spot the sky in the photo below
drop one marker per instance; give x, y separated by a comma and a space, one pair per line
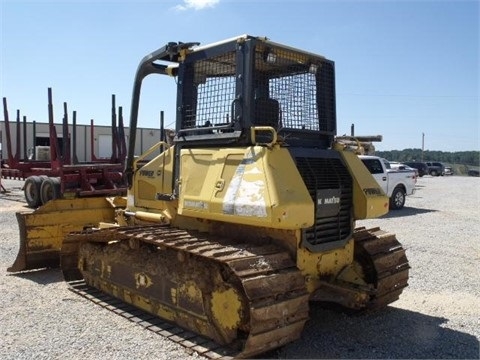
406, 70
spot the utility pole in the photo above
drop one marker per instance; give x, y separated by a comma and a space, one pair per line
423, 144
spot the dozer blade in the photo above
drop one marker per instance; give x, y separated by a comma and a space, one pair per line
43, 230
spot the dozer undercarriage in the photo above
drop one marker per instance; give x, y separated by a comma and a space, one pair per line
249, 297
250, 215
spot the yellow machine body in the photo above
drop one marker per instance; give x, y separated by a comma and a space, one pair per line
256, 186
255, 191
253, 186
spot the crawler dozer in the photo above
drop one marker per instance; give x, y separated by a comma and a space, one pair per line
249, 215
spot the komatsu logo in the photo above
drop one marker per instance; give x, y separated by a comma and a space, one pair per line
328, 202
332, 200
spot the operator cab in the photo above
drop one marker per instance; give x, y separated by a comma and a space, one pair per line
227, 88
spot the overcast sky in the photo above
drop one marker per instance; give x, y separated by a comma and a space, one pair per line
403, 68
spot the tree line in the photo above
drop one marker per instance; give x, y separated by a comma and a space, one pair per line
471, 158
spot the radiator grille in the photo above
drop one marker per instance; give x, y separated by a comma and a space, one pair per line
321, 174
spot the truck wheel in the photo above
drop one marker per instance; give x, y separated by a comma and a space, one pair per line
31, 190
397, 200
433, 173
50, 190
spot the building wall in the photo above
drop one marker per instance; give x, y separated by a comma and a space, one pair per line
146, 138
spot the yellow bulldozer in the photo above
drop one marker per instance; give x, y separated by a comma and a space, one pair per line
247, 217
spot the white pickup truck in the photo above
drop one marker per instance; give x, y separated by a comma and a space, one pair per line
397, 183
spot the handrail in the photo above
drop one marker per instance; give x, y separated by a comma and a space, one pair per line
149, 151
255, 129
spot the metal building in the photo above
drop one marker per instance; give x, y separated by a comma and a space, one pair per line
33, 142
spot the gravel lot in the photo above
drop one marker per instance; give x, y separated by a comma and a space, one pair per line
436, 317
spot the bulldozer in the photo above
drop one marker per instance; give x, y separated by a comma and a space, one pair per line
246, 218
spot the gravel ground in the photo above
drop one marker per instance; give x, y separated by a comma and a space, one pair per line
437, 316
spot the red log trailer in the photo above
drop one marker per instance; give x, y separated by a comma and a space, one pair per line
63, 176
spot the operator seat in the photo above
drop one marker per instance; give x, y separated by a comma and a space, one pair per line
267, 112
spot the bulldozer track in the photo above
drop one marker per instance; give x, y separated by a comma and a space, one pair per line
192, 342
385, 264
273, 286
270, 280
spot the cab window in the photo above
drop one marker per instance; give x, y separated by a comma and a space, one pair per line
373, 165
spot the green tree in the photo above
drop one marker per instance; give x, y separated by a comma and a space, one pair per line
469, 158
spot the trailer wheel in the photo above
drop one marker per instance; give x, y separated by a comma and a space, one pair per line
50, 190
31, 190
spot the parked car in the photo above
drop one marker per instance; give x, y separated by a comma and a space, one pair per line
395, 165
435, 168
420, 166
448, 170
473, 172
